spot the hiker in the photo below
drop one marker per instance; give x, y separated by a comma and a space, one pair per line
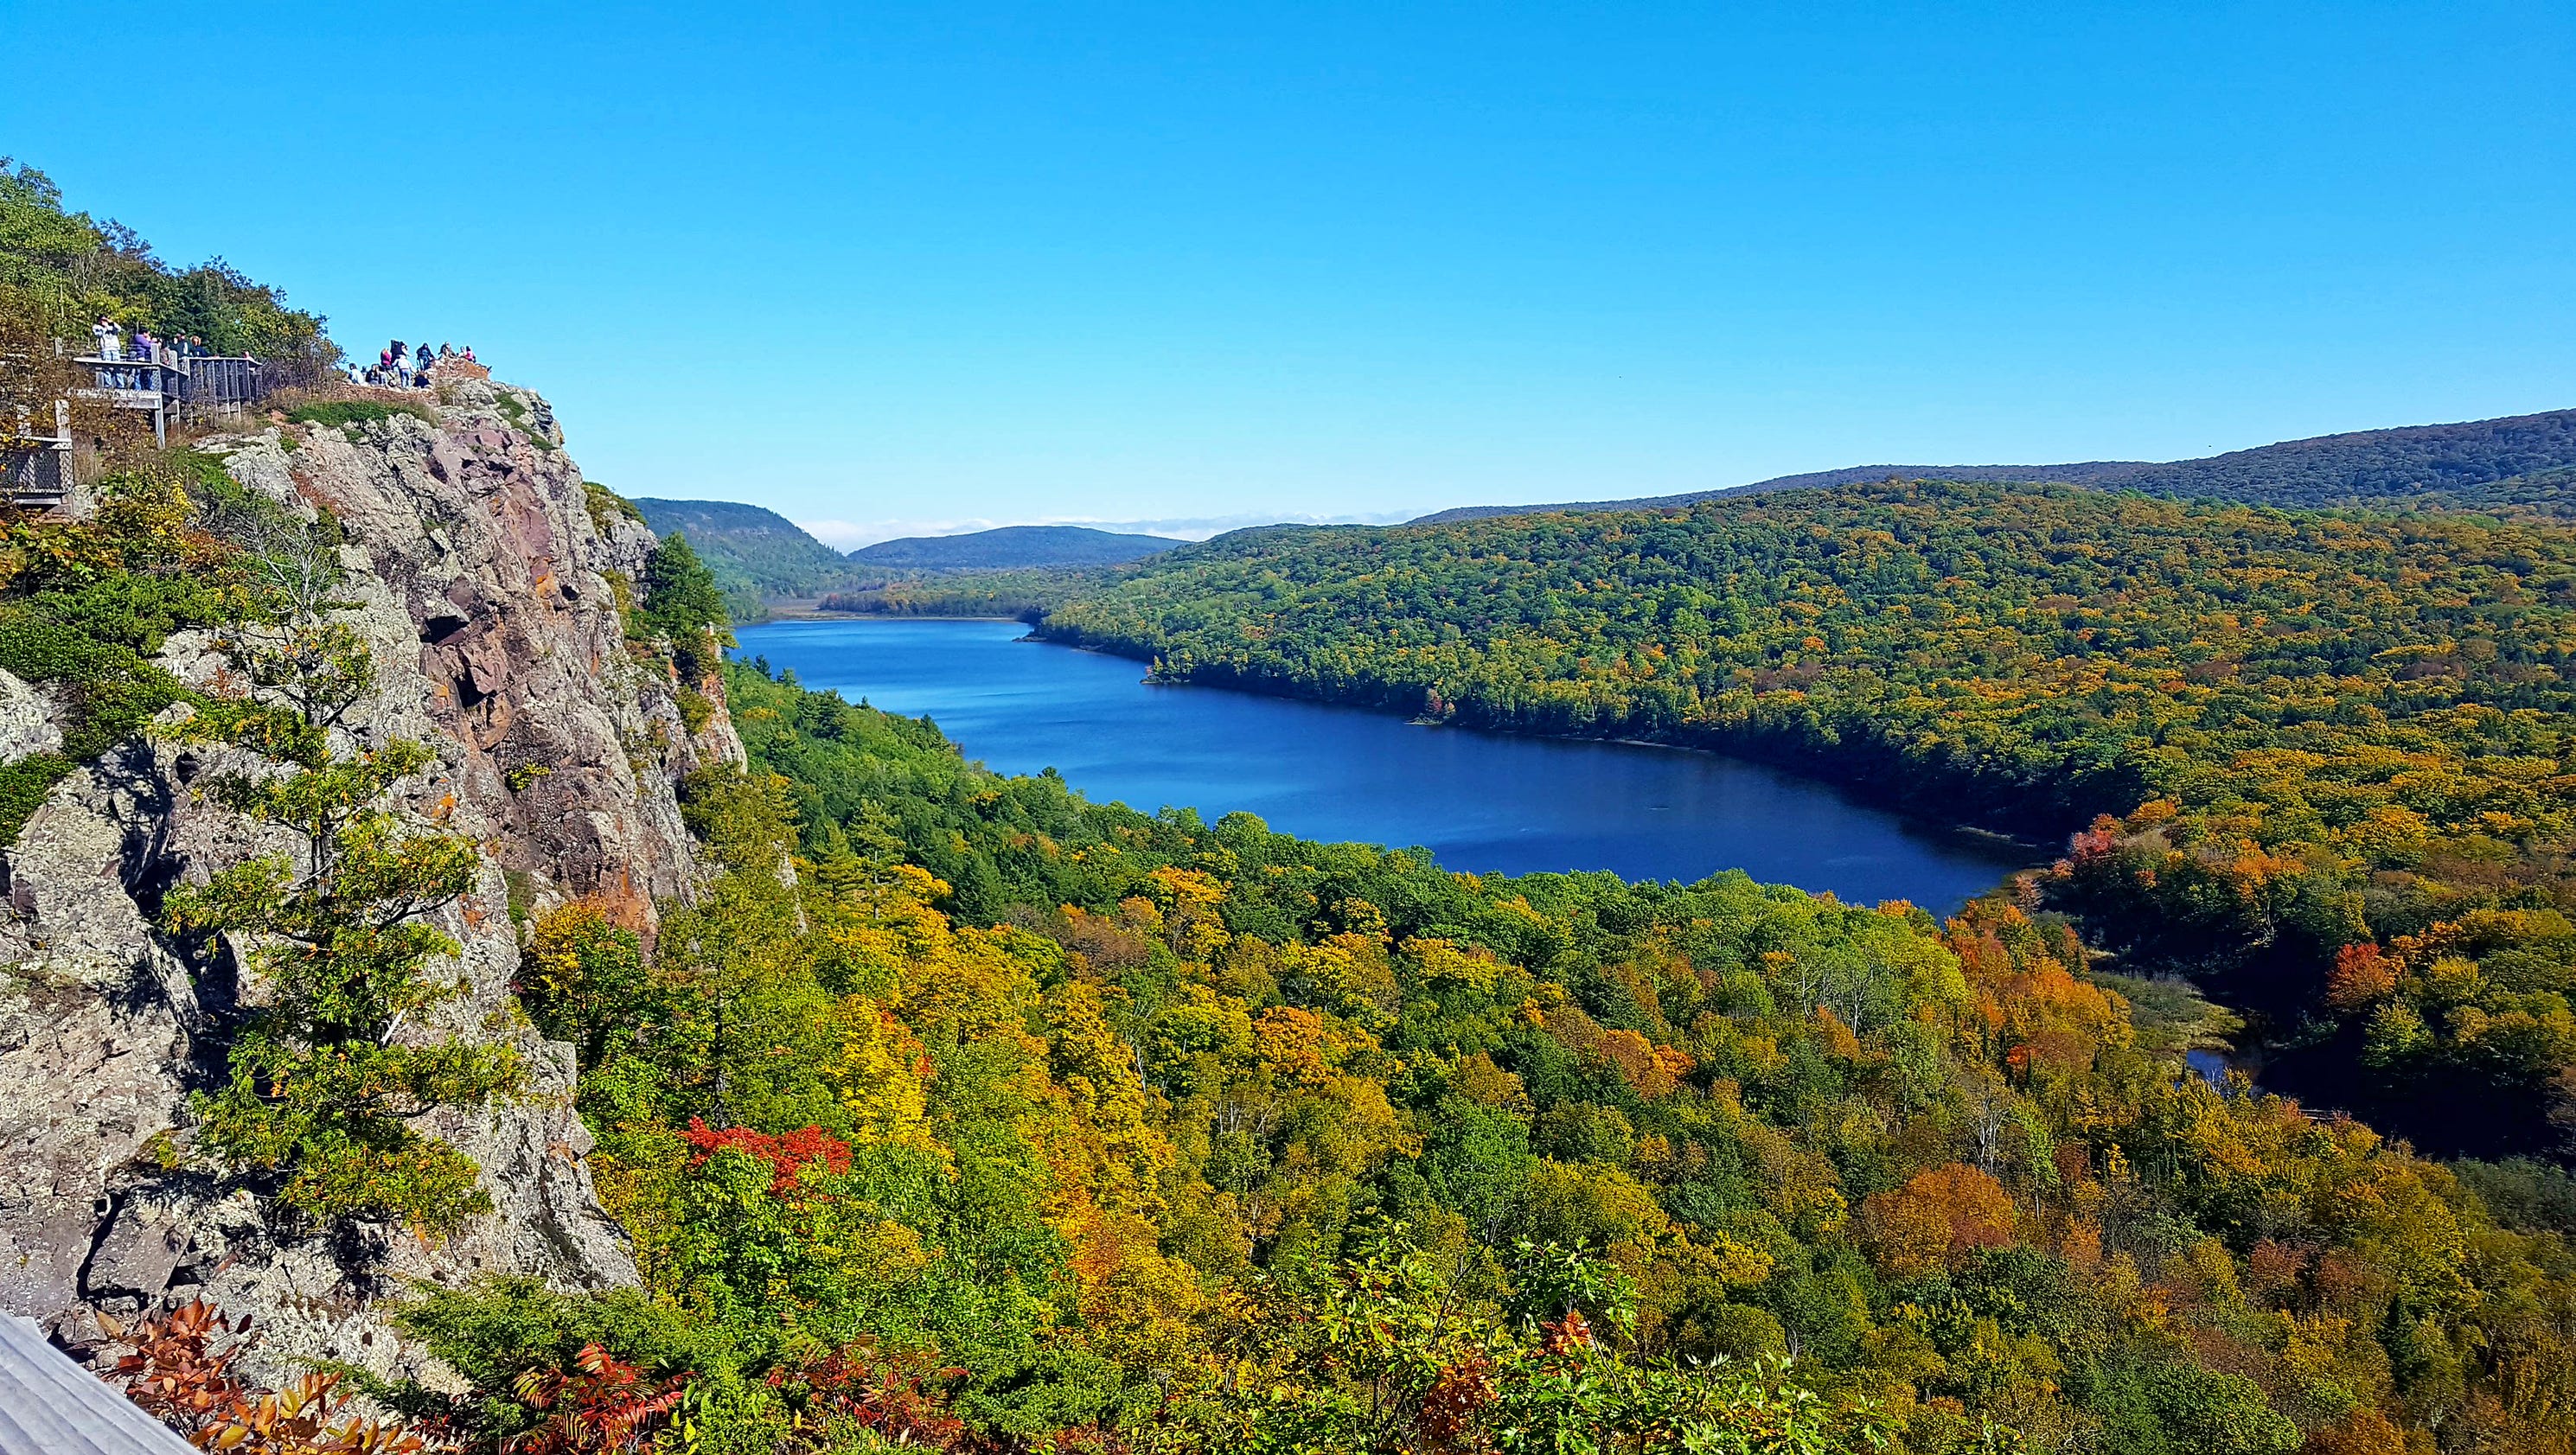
423, 370
111, 339
146, 347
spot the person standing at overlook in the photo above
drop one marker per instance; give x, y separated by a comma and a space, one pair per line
111, 339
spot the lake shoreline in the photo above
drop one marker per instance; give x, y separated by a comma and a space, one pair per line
2037, 847
2035, 844
1481, 800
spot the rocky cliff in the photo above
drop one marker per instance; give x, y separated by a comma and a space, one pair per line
487, 578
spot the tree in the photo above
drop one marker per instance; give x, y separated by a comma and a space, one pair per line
336, 938
683, 604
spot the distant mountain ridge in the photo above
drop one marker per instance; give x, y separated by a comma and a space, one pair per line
2432, 464
1012, 547
2088, 473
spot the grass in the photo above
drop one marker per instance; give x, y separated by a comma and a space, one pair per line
607, 507
2172, 1016
517, 413
342, 413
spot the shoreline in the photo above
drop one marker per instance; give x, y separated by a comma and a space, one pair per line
780, 617
2035, 850
2037, 847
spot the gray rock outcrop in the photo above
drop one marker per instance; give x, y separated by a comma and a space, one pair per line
487, 579
26, 721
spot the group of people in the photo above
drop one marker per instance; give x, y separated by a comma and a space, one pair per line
397, 367
109, 337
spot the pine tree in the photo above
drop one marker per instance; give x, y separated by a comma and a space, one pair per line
336, 938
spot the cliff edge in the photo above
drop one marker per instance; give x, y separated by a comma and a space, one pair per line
487, 579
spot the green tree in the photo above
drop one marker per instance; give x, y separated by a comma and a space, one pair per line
321, 1086
683, 603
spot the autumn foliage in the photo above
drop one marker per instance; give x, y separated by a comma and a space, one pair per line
1940, 1216
787, 1155
599, 1404
179, 1368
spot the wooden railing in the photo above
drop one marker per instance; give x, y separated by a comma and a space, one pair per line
168, 384
35, 469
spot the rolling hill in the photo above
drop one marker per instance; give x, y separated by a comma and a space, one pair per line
2439, 465
1011, 547
2281, 740
757, 555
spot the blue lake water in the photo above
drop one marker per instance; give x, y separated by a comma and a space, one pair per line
1484, 802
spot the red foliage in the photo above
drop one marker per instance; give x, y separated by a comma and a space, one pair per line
787, 1155
2097, 843
856, 1385
178, 1377
600, 1404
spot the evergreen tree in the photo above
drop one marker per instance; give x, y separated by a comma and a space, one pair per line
683, 603
322, 1083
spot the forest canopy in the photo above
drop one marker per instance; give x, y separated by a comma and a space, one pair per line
2315, 755
71, 270
1010, 1120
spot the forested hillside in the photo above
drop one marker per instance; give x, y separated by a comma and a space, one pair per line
1011, 547
2445, 466
953, 1111
757, 555
2433, 464
760, 558
2090, 472
2334, 746
1016, 1121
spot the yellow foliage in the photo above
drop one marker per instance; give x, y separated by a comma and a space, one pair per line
881, 1077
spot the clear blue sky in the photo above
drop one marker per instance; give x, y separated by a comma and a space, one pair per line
914, 266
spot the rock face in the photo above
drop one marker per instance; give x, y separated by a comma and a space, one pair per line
486, 579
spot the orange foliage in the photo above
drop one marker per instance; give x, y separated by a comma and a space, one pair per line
1647, 1069
599, 1404
2360, 976
1942, 1214
177, 1376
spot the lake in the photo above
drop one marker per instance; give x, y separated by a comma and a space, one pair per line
1484, 802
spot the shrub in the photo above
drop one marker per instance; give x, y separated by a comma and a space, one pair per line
341, 413
607, 507
178, 1376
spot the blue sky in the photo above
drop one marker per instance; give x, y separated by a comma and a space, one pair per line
888, 268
